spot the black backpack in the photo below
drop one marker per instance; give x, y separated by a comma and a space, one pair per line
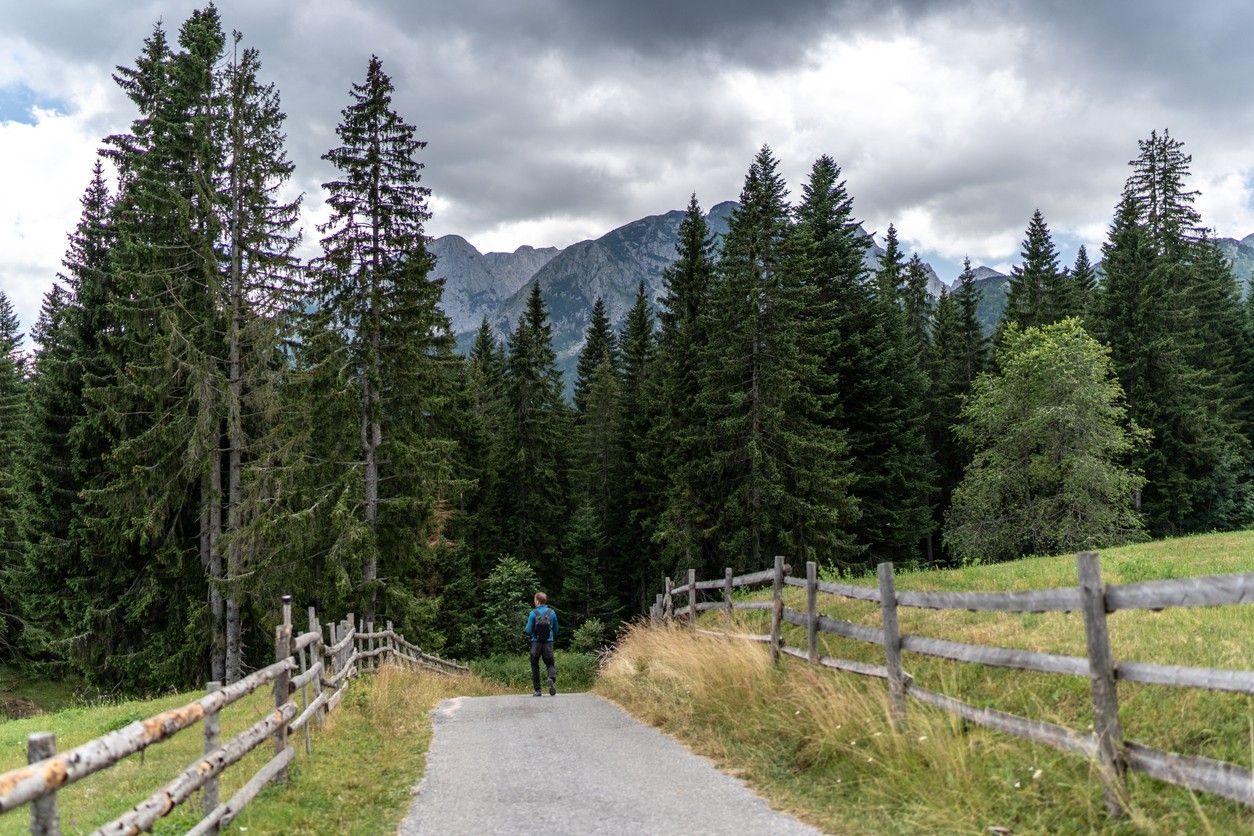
542, 626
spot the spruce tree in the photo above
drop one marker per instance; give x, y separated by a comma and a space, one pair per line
535, 495
63, 446
260, 298
679, 433
480, 450
1082, 285
13, 424
155, 404
850, 346
373, 279
887, 410
917, 304
1038, 292
599, 344
1169, 355
957, 357
773, 463
639, 479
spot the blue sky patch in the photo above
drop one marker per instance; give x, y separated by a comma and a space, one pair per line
17, 101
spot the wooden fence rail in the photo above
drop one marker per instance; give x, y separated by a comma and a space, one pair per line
1105, 745
304, 665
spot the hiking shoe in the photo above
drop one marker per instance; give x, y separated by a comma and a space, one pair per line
536, 694
552, 688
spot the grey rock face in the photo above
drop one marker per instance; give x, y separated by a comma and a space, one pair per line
476, 283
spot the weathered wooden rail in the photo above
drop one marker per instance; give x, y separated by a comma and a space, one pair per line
306, 666
1105, 745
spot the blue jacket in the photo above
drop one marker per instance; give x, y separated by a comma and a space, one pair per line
531, 622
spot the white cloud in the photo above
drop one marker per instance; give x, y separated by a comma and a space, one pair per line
44, 169
955, 121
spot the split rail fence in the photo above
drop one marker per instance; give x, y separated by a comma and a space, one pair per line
317, 670
1106, 746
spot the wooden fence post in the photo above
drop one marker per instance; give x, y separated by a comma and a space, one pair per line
304, 691
692, 598
333, 661
1111, 764
729, 608
892, 643
668, 609
351, 621
315, 656
210, 792
777, 608
812, 611
282, 650
44, 818
391, 646
657, 608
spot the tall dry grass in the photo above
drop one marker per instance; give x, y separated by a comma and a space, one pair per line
820, 744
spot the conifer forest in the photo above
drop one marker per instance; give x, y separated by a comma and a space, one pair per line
203, 421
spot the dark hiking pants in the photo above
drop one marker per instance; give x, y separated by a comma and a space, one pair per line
538, 650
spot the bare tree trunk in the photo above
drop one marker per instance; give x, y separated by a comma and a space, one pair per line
369, 436
755, 403
234, 515
235, 426
211, 562
217, 648
371, 430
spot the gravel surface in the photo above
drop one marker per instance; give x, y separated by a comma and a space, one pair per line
573, 764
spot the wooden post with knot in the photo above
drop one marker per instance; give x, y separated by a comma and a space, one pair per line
282, 682
777, 608
892, 643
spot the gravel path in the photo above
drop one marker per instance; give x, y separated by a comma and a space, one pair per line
573, 764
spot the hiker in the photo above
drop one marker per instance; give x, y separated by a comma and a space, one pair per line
542, 630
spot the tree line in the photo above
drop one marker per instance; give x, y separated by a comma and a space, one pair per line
210, 421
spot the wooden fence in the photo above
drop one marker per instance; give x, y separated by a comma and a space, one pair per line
306, 665
1105, 746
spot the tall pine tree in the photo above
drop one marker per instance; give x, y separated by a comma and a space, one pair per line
683, 526
373, 279
599, 344
13, 423
640, 477
535, 496
773, 462
1038, 293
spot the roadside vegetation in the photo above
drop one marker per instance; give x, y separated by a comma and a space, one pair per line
359, 779
818, 743
575, 671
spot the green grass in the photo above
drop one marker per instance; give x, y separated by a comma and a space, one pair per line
358, 779
23, 695
818, 743
575, 671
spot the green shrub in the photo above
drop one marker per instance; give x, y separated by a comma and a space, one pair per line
588, 636
575, 671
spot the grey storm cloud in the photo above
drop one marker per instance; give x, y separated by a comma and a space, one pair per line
605, 111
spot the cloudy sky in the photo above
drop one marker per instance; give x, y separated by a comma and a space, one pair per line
557, 120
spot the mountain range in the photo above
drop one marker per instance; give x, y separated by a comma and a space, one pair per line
495, 285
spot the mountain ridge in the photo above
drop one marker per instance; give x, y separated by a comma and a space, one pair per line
495, 285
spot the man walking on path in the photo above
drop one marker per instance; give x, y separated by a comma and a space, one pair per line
542, 630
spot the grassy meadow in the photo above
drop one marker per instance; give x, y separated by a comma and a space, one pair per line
365, 761
818, 742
